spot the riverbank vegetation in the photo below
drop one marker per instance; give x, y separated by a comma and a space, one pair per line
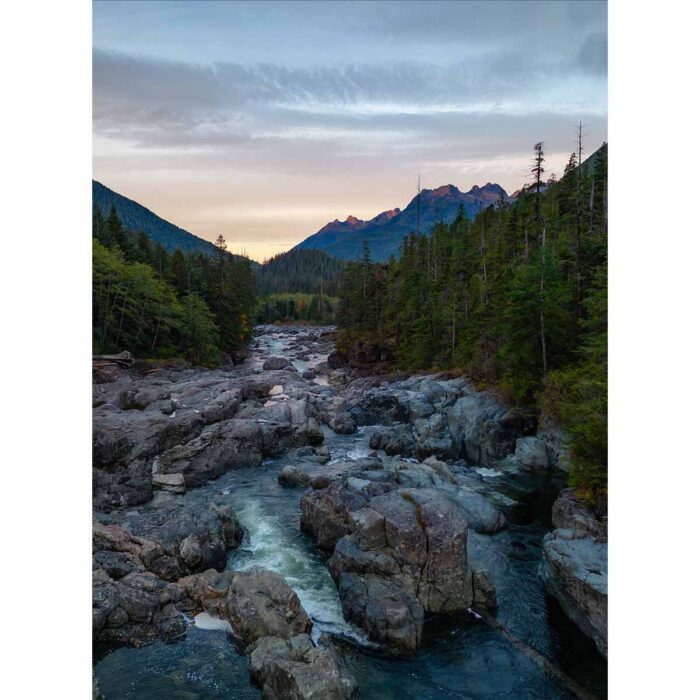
159, 304
516, 298
291, 307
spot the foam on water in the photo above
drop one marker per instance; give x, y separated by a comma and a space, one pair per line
269, 545
205, 621
487, 473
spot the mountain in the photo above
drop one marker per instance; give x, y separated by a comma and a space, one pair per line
384, 233
136, 217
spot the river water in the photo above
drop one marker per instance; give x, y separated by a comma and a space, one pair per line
461, 657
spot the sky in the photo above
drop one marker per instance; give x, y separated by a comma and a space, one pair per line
262, 121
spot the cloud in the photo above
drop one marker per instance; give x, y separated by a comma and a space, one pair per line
155, 103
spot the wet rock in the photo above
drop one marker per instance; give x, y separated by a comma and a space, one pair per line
293, 476
277, 363
295, 669
532, 452
398, 440
389, 614
256, 603
569, 513
379, 407
484, 590
575, 572
137, 609
574, 566
484, 430
398, 554
323, 455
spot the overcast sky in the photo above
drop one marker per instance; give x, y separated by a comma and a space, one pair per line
263, 120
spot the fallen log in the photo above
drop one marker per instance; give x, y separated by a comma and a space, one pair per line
123, 359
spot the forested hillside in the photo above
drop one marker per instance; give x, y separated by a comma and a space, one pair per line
136, 217
160, 304
299, 270
517, 298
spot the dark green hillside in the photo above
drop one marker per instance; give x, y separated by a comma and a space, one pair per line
136, 217
300, 270
516, 298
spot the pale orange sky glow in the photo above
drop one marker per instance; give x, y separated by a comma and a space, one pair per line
264, 121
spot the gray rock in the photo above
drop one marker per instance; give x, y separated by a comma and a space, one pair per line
295, 669
293, 476
575, 572
532, 452
277, 363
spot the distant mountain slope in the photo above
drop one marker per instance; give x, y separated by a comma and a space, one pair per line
136, 217
384, 233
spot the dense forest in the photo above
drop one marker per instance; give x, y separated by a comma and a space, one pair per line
299, 285
300, 270
160, 304
516, 298
288, 307
136, 217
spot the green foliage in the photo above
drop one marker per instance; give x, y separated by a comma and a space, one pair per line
299, 270
158, 304
286, 307
514, 298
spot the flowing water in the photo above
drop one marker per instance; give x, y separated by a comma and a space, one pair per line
461, 657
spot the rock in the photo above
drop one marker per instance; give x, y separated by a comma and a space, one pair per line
277, 363
569, 513
190, 551
484, 430
323, 455
398, 440
293, 476
484, 590
260, 603
137, 609
295, 669
575, 572
398, 554
440, 468
320, 481
170, 482
309, 374
389, 614
480, 513
379, 408
532, 452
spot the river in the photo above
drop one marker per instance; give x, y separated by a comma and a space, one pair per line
461, 657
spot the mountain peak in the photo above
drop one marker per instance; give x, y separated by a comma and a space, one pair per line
352, 220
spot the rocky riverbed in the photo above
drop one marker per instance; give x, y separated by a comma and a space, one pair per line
284, 528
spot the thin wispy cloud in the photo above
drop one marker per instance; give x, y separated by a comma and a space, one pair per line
392, 89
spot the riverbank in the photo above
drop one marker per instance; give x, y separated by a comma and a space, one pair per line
186, 479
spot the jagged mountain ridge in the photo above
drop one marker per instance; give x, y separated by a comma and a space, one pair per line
384, 233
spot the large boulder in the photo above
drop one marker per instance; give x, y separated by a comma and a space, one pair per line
137, 609
295, 669
256, 603
575, 572
531, 452
484, 430
277, 363
574, 566
398, 553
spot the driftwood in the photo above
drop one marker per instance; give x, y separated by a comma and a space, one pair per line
123, 359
